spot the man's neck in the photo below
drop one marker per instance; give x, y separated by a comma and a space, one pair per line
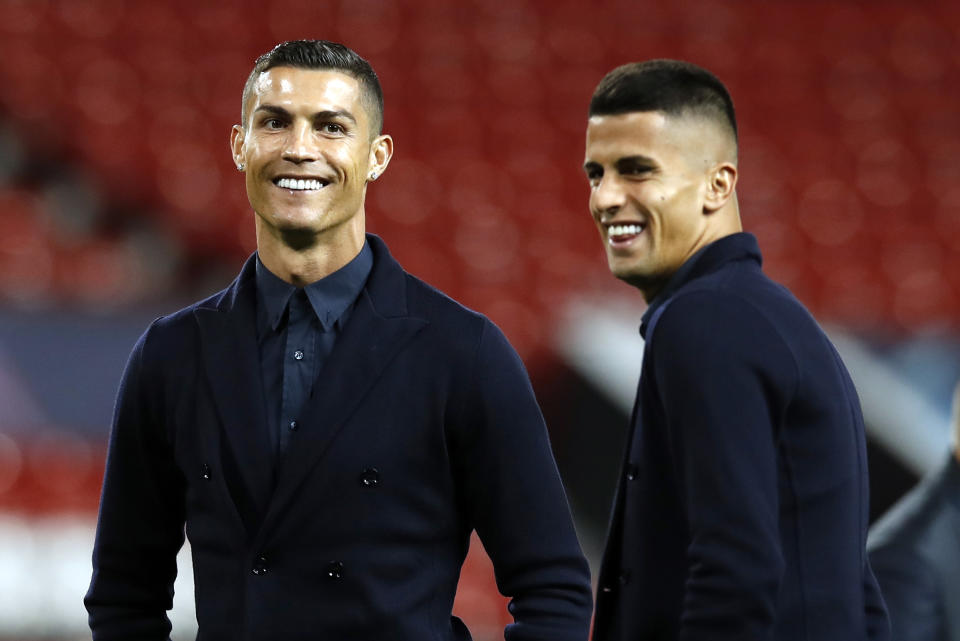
303, 263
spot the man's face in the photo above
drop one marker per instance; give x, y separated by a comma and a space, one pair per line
307, 150
647, 182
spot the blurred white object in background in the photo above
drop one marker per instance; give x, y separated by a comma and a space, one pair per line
46, 570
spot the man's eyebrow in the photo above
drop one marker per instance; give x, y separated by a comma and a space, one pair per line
272, 109
327, 114
621, 164
631, 162
331, 114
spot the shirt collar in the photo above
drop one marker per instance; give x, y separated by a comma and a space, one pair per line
329, 297
706, 260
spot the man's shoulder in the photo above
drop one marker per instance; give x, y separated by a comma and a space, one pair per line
711, 323
439, 308
737, 300
714, 305
390, 283
178, 320
747, 283
455, 330
172, 338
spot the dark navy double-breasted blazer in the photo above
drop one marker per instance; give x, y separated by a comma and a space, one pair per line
423, 427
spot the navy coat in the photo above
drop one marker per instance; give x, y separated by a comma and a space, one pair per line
915, 551
423, 426
742, 509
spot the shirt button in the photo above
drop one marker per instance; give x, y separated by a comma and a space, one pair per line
632, 472
335, 570
370, 477
260, 566
298, 355
293, 425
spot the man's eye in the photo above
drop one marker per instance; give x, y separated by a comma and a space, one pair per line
331, 128
273, 123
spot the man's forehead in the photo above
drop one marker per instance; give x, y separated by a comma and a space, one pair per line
287, 83
630, 119
651, 133
269, 81
636, 131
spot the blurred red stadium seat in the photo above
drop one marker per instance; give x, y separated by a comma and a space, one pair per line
487, 105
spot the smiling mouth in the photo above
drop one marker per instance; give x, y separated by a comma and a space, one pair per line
624, 233
300, 184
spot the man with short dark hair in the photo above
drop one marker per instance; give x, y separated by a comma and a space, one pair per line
328, 429
741, 512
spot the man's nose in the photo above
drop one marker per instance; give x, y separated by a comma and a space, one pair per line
607, 197
301, 146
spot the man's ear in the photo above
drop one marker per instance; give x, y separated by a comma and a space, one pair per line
381, 151
237, 140
721, 186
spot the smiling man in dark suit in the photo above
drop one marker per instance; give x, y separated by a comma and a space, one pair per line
328, 429
741, 513
915, 551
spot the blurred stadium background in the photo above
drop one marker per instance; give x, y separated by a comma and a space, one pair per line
119, 202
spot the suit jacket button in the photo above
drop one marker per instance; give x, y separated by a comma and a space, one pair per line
624, 577
370, 477
205, 472
632, 471
260, 566
335, 570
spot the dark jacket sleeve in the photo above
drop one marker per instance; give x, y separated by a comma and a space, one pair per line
911, 593
514, 498
140, 525
724, 376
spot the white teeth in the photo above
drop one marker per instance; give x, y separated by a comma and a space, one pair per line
299, 185
624, 230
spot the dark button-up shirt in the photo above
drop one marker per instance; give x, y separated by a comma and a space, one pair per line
296, 330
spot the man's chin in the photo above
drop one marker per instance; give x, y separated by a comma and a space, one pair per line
295, 233
648, 283
626, 272
298, 237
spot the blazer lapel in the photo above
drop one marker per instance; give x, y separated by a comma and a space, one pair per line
232, 364
378, 329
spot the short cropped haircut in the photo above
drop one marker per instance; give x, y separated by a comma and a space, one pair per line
674, 87
323, 55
